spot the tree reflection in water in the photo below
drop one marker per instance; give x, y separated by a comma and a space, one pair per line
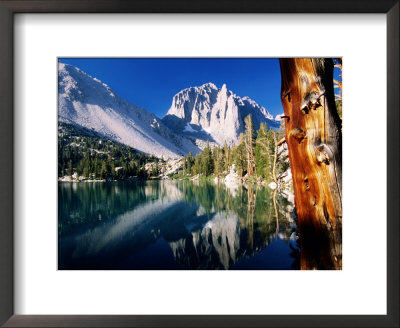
174, 225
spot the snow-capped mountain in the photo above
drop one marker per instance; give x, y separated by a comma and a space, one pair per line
87, 102
210, 113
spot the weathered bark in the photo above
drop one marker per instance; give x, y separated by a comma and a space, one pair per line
313, 135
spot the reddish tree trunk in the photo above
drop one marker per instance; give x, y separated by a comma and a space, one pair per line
313, 135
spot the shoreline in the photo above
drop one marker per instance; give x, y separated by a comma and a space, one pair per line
104, 180
232, 184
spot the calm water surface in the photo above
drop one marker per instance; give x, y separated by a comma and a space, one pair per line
173, 225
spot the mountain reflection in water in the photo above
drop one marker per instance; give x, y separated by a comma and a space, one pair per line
173, 225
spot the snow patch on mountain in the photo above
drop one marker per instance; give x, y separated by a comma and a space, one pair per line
188, 128
208, 130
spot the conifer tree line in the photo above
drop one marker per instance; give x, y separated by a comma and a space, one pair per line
253, 155
93, 157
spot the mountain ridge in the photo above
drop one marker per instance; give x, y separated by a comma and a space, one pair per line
217, 114
197, 115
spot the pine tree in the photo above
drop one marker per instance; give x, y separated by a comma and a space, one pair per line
249, 144
215, 155
184, 164
207, 160
262, 153
155, 169
189, 163
219, 160
70, 170
133, 168
314, 140
103, 170
85, 172
112, 169
226, 157
197, 165
240, 156
62, 169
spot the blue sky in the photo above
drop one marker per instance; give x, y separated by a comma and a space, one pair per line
152, 82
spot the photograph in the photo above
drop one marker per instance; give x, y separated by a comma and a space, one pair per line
199, 163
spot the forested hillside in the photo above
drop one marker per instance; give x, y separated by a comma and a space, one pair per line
84, 153
255, 156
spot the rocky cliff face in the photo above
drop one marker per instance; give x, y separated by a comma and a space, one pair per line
217, 115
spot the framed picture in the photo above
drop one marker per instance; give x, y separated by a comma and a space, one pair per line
152, 153
196, 194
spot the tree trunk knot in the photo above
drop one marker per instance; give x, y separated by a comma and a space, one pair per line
307, 186
322, 154
299, 134
311, 101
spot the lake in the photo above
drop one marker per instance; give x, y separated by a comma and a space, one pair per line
174, 225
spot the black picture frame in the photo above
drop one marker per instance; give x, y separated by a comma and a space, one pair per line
10, 7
